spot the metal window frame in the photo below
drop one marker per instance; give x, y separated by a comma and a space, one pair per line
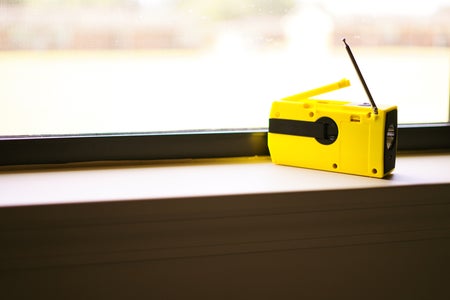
63, 149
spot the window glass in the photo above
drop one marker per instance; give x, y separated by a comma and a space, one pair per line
99, 66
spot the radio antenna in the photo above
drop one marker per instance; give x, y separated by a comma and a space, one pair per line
361, 78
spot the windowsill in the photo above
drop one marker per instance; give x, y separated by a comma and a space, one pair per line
232, 225
200, 178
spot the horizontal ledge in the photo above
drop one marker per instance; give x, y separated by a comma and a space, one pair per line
200, 178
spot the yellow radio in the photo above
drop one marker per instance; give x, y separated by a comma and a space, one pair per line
336, 136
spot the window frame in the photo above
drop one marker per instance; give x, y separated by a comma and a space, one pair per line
64, 149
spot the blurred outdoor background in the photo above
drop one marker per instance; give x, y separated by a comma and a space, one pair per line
102, 66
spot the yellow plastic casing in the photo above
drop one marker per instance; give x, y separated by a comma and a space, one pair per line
360, 146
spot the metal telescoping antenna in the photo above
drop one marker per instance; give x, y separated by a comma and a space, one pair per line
349, 51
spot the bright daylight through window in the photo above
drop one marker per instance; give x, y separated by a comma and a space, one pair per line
105, 66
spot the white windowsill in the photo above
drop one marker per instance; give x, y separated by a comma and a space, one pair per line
197, 178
